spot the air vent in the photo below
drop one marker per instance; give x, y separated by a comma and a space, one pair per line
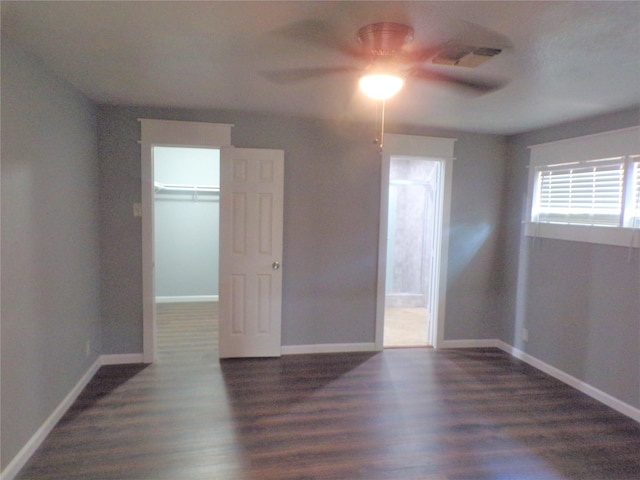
464, 55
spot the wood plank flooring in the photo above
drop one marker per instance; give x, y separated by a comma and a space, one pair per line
403, 414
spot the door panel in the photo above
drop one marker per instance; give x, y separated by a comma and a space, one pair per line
251, 202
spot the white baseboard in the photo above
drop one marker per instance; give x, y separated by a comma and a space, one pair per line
187, 299
328, 348
595, 393
603, 397
474, 343
39, 436
121, 359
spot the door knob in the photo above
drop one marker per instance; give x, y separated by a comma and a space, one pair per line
275, 265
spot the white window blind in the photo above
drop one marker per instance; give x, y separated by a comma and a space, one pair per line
633, 218
583, 193
587, 189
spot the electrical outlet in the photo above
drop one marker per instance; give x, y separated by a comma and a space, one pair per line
87, 348
525, 334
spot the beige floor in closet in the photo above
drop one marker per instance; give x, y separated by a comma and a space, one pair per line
405, 327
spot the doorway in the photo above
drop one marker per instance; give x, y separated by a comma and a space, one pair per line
413, 193
186, 186
241, 333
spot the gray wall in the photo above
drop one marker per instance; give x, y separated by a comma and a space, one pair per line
186, 225
50, 263
474, 264
579, 301
62, 267
331, 209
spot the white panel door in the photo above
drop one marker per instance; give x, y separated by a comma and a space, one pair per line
251, 199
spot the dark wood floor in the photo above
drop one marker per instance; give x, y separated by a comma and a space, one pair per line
405, 414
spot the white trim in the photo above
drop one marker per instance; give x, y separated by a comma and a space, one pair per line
470, 343
382, 252
617, 236
187, 299
148, 260
164, 133
428, 148
442, 258
604, 145
177, 133
615, 143
25, 453
418, 146
40, 435
328, 348
122, 359
595, 393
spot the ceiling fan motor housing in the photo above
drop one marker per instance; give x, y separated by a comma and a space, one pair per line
385, 38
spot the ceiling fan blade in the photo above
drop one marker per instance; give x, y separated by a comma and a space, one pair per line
444, 32
419, 55
475, 85
474, 34
294, 75
319, 33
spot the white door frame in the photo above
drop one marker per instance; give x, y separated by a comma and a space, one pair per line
166, 133
433, 149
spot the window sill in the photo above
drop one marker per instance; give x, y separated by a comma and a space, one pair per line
621, 237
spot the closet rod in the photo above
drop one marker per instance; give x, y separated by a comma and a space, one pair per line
185, 188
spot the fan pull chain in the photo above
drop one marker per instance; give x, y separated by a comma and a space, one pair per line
382, 126
379, 139
376, 139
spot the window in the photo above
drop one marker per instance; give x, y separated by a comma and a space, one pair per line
588, 193
580, 191
633, 212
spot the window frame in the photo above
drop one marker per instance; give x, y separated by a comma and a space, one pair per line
582, 151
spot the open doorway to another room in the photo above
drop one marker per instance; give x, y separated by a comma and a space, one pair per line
186, 255
414, 191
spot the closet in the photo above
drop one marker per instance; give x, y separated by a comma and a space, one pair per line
186, 224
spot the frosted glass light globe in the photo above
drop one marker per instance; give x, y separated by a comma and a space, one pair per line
381, 86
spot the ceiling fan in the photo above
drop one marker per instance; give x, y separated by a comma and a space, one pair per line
384, 49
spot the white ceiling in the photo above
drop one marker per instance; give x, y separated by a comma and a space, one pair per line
563, 60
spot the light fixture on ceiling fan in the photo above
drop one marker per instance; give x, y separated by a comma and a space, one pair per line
381, 86
383, 41
389, 61
382, 78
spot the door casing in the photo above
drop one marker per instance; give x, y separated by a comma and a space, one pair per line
168, 133
434, 149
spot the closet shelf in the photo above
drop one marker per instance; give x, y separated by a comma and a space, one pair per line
163, 187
